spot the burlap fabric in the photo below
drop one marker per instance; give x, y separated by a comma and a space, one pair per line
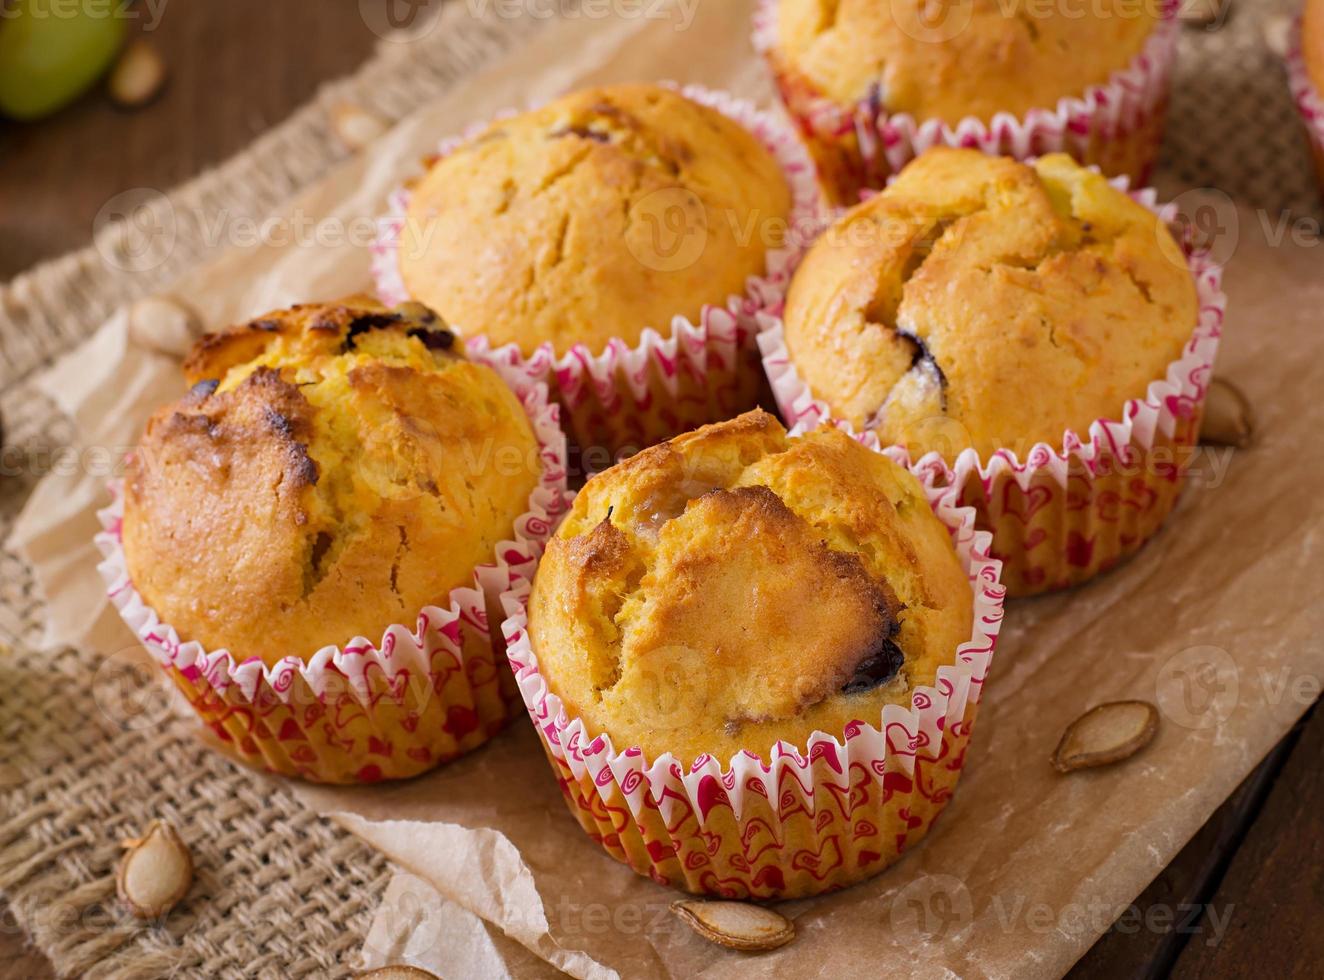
282, 893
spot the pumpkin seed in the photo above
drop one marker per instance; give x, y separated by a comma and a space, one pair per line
736, 925
155, 872
356, 126
138, 76
1227, 416
1105, 734
163, 324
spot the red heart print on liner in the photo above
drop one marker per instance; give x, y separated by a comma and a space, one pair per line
818, 862
1035, 538
1080, 549
1024, 504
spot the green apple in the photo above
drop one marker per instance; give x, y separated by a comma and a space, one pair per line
52, 51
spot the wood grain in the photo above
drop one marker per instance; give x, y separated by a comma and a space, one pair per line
236, 69
1177, 899
1274, 886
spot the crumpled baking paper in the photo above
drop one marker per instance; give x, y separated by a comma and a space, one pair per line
1217, 620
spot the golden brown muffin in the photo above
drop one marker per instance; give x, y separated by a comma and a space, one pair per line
335, 468
603, 213
735, 587
1013, 300
977, 58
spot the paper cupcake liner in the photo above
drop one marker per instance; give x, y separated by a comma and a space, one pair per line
633, 395
1117, 125
799, 823
1065, 514
362, 712
1309, 102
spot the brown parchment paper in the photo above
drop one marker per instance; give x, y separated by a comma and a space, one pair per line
1218, 621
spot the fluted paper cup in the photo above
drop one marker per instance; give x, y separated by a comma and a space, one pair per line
1309, 102
677, 376
424, 693
1066, 513
1117, 125
802, 820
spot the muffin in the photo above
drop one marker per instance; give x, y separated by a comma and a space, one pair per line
536, 230
870, 84
335, 471
1306, 71
737, 594
992, 311
584, 232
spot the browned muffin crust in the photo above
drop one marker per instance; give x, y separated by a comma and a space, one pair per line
605, 212
332, 470
982, 302
735, 587
963, 58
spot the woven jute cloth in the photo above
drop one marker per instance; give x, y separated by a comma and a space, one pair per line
87, 756
85, 762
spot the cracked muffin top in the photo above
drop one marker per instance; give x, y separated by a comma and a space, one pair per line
735, 587
601, 214
982, 302
333, 469
977, 58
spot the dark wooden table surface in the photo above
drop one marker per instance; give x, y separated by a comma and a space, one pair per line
1244, 896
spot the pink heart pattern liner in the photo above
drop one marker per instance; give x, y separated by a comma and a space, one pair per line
1064, 514
795, 823
364, 711
1309, 102
636, 394
1117, 125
